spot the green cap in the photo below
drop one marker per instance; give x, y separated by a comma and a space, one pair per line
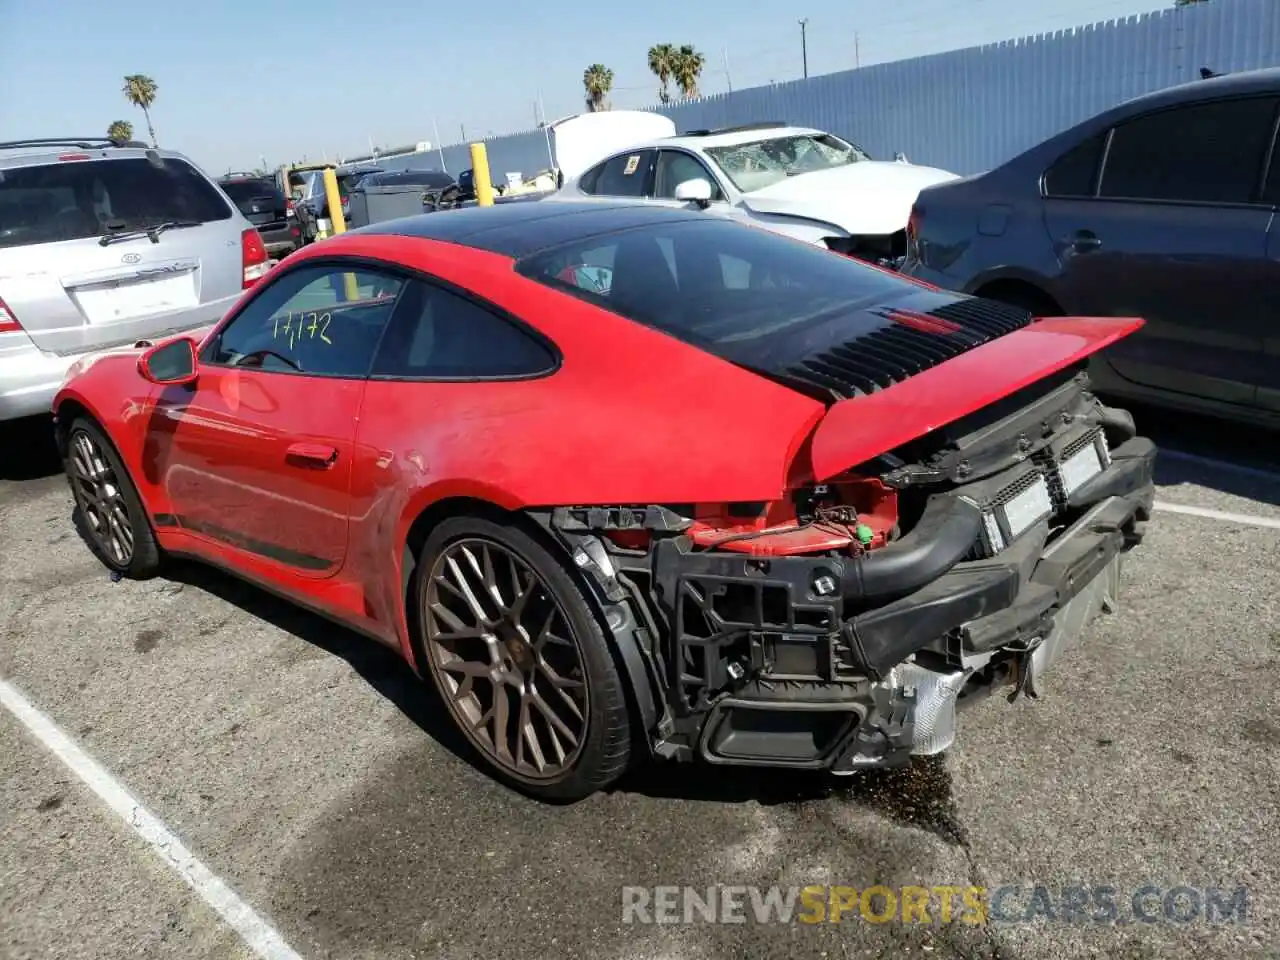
864, 534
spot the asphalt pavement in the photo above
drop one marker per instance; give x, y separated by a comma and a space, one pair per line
310, 773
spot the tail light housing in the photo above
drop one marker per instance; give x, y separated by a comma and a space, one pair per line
253, 256
913, 231
8, 322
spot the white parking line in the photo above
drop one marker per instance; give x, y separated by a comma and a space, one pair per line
265, 942
1227, 465
1247, 519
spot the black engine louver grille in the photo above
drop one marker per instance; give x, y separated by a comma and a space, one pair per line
901, 350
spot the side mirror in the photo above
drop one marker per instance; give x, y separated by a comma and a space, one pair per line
170, 364
696, 191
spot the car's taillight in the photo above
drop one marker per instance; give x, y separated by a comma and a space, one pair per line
253, 254
8, 322
913, 231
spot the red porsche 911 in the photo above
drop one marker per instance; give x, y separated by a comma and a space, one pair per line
630, 482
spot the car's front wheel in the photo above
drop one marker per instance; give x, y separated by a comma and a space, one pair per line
108, 511
520, 659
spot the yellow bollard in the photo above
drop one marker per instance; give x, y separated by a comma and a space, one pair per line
334, 198
480, 171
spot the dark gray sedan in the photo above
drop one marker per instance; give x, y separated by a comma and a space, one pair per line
1163, 207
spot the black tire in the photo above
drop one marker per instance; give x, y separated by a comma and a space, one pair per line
144, 558
605, 747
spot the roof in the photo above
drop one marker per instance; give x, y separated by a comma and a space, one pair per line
519, 229
1246, 82
27, 156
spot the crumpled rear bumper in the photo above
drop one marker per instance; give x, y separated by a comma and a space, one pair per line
1077, 578
983, 625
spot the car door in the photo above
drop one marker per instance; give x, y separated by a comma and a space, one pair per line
1269, 380
258, 455
1175, 230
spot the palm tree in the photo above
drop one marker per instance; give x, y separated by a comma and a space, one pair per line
140, 90
121, 130
662, 61
598, 81
687, 69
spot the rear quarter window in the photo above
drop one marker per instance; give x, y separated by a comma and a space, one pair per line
76, 200
441, 335
1075, 173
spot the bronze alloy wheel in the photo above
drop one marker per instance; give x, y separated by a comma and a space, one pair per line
505, 656
100, 495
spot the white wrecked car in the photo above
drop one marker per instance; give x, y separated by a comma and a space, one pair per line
795, 180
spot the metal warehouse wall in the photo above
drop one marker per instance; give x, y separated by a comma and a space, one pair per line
968, 110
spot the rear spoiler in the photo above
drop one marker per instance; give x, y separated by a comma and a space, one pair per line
862, 428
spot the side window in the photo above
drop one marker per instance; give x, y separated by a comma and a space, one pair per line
623, 175
1208, 152
674, 168
1271, 189
321, 320
1075, 173
443, 335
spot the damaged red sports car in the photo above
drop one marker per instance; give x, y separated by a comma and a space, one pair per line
627, 481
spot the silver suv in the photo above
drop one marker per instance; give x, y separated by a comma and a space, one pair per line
103, 244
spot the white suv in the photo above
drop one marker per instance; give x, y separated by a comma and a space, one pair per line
103, 244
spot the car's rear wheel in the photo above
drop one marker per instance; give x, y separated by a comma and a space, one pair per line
520, 660
108, 511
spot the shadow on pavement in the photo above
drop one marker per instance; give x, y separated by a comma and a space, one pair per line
383, 669
27, 450
918, 795
1194, 442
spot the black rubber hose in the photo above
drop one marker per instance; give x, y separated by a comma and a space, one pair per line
945, 533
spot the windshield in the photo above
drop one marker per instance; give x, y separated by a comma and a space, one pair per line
246, 191
77, 200
762, 163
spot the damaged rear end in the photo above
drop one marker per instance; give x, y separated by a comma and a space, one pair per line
951, 525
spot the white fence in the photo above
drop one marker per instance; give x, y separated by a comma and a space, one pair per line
969, 110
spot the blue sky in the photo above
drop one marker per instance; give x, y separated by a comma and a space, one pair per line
239, 80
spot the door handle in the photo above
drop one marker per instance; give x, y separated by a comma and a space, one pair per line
1084, 241
313, 454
